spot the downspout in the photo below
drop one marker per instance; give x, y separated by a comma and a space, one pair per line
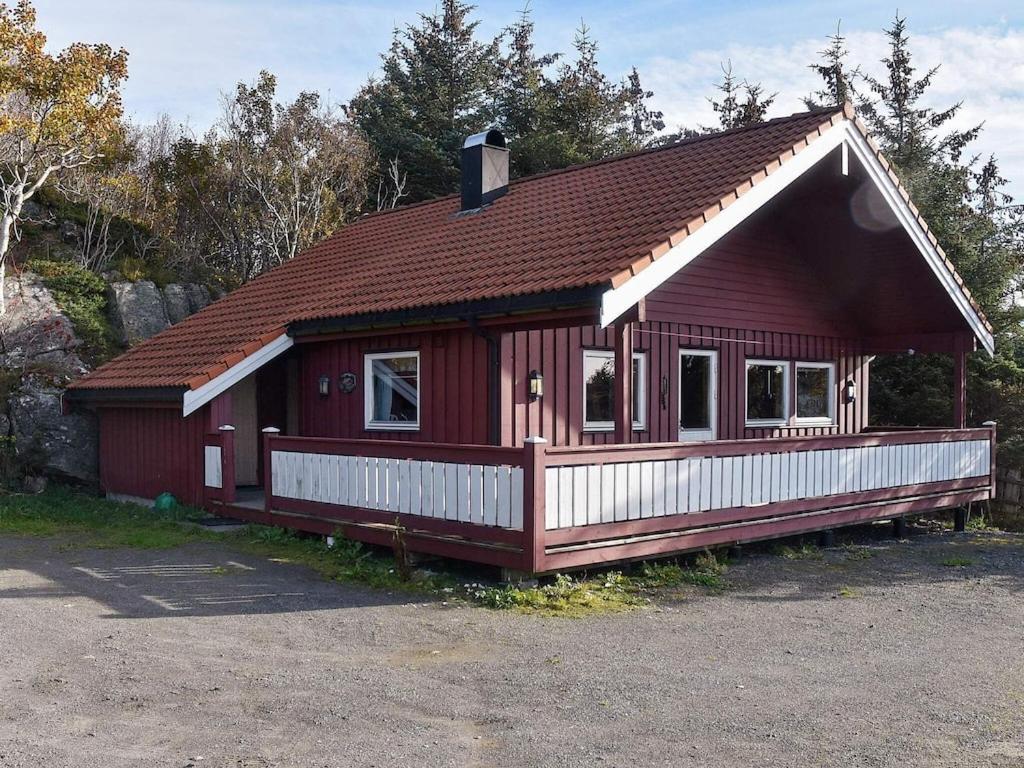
493, 379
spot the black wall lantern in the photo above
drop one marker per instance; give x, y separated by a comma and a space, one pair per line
325, 386
536, 385
850, 391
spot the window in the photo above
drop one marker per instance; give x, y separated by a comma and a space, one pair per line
392, 390
815, 393
599, 389
767, 392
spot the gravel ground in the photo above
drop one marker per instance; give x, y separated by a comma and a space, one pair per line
874, 656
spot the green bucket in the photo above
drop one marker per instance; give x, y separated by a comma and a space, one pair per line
165, 502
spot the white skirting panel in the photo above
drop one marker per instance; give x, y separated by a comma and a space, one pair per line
606, 493
213, 470
470, 493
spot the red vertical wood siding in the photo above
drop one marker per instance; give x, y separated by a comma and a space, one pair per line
660, 342
453, 387
146, 451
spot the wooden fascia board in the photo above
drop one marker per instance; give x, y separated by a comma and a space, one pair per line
194, 399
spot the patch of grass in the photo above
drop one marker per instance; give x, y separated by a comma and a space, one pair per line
957, 562
567, 596
804, 551
706, 571
855, 552
91, 522
849, 592
347, 560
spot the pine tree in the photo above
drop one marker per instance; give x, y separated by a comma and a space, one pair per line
981, 231
838, 88
524, 99
742, 103
436, 82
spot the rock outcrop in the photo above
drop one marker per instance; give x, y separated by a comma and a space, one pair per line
38, 356
137, 310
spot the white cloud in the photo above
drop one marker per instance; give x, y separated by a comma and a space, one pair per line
983, 68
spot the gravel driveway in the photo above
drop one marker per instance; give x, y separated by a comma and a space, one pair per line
874, 656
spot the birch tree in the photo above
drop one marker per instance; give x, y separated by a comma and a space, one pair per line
56, 112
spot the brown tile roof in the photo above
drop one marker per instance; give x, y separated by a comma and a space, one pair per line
586, 226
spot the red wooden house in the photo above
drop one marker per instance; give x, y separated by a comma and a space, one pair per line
642, 355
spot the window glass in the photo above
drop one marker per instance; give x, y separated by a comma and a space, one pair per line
638, 392
694, 383
599, 389
766, 391
393, 382
813, 392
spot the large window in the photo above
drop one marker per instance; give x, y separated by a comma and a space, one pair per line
599, 390
815, 393
392, 385
767, 392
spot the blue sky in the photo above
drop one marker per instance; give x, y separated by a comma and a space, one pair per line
184, 53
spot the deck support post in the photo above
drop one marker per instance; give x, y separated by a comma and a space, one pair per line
899, 528
269, 433
534, 458
227, 463
959, 384
960, 519
623, 396
827, 538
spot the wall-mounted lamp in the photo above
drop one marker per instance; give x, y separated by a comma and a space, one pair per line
850, 391
325, 386
536, 385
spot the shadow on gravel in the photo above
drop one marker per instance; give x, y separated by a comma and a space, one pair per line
197, 580
867, 560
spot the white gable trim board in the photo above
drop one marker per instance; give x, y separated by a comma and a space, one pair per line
616, 301
197, 398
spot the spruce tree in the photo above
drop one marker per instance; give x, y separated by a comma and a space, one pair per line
838, 85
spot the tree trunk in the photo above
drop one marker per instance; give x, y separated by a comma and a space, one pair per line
6, 222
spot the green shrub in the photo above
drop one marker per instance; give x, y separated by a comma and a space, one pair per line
82, 296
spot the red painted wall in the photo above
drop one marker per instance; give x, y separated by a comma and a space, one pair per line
558, 355
756, 279
145, 451
453, 387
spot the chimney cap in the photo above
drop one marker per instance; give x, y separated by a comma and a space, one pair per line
491, 138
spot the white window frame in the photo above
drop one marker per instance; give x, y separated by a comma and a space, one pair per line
786, 389
829, 420
691, 434
388, 426
639, 424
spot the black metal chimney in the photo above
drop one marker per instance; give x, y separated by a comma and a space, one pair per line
484, 169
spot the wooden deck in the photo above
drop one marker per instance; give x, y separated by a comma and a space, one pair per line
541, 509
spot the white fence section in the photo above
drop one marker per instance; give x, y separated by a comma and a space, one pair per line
606, 493
470, 493
213, 477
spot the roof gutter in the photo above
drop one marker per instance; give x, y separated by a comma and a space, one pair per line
508, 305
108, 395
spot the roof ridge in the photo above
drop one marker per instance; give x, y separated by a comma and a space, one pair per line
686, 142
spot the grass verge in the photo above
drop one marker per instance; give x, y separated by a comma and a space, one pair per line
89, 522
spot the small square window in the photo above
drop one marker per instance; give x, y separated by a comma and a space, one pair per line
599, 390
815, 393
392, 391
